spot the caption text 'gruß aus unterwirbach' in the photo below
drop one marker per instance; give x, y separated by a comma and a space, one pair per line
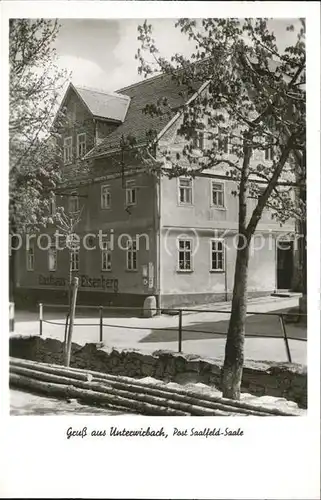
153, 432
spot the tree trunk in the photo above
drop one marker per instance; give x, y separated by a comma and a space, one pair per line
234, 349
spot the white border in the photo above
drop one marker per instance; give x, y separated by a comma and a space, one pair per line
278, 457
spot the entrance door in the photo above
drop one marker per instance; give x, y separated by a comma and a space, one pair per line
284, 265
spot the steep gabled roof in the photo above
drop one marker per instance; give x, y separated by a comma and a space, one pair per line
137, 123
102, 105
107, 105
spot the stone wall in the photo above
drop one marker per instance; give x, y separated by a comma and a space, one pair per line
259, 378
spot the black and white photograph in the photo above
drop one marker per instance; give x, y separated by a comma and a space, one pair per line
157, 210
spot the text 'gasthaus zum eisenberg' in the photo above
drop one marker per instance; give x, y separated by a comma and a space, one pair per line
153, 432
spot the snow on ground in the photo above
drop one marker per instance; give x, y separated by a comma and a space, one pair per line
270, 402
25, 403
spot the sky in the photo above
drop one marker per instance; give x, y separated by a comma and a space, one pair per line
100, 53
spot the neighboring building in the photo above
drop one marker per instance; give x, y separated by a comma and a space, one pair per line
185, 250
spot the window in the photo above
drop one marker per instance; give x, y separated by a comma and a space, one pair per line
67, 149
223, 141
52, 205
105, 257
199, 140
52, 258
31, 258
217, 255
130, 193
269, 153
74, 259
73, 204
269, 150
105, 197
185, 189
81, 145
218, 194
185, 255
132, 256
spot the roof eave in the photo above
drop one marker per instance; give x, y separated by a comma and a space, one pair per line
110, 152
105, 119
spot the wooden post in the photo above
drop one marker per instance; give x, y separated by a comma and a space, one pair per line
69, 300
40, 318
74, 289
66, 327
100, 324
180, 330
286, 341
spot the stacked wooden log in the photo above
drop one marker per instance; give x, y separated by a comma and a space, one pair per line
123, 393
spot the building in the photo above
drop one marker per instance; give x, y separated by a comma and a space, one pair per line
143, 234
